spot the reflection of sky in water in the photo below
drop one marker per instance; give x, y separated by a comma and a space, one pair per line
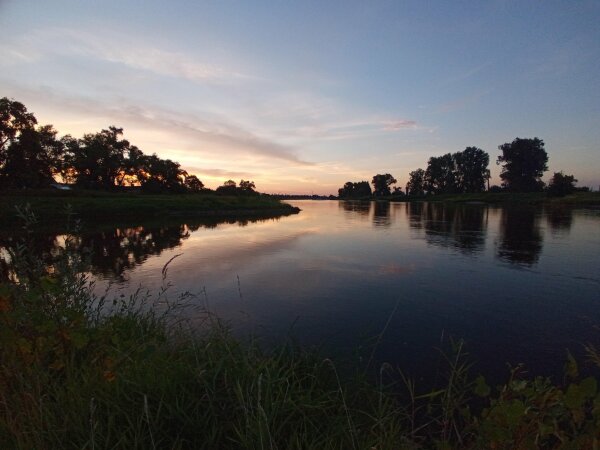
517, 284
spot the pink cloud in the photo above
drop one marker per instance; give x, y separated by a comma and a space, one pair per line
399, 125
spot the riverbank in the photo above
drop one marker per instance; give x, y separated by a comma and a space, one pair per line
49, 206
530, 198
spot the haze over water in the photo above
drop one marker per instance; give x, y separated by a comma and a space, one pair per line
518, 284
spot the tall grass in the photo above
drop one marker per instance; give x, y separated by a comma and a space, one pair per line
87, 372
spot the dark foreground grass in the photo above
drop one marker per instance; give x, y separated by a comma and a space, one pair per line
79, 372
50, 205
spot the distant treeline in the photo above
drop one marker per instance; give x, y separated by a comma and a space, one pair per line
31, 156
523, 161
303, 197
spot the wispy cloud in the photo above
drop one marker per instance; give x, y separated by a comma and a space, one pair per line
399, 125
218, 173
114, 47
208, 134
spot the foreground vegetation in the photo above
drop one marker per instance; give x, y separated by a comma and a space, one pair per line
77, 371
100, 205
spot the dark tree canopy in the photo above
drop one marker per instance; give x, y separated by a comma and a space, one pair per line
381, 184
32, 159
162, 175
355, 190
524, 162
14, 118
440, 176
471, 170
229, 187
193, 184
561, 184
97, 159
247, 186
416, 183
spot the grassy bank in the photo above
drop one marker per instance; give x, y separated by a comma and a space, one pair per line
99, 206
83, 372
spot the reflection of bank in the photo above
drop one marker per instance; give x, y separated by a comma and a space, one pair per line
559, 218
355, 207
521, 238
461, 227
111, 252
381, 214
362, 209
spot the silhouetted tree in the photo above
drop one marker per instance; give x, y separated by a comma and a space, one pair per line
355, 190
398, 191
440, 175
162, 175
416, 183
229, 187
381, 184
14, 118
134, 167
247, 187
524, 162
193, 184
32, 159
471, 170
561, 184
96, 160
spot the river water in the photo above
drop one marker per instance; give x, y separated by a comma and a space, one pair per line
518, 284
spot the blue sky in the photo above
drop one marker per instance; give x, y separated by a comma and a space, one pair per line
303, 96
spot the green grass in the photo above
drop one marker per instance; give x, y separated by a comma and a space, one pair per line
50, 205
80, 372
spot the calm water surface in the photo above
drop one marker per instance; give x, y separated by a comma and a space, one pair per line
518, 284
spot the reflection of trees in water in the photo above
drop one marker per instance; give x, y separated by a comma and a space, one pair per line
461, 227
356, 207
113, 252
559, 218
45, 248
381, 214
521, 239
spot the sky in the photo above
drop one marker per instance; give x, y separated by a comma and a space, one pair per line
303, 96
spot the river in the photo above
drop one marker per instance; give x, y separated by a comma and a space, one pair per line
518, 284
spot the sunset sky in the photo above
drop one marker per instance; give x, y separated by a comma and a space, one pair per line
303, 96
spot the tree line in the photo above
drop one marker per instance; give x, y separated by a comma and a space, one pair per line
32, 156
523, 161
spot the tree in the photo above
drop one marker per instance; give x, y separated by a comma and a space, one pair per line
415, 185
14, 118
96, 160
162, 175
524, 162
381, 184
247, 187
398, 191
32, 159
229, 187
355, 190
471, 170
440, 176
561, 184
193, 184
